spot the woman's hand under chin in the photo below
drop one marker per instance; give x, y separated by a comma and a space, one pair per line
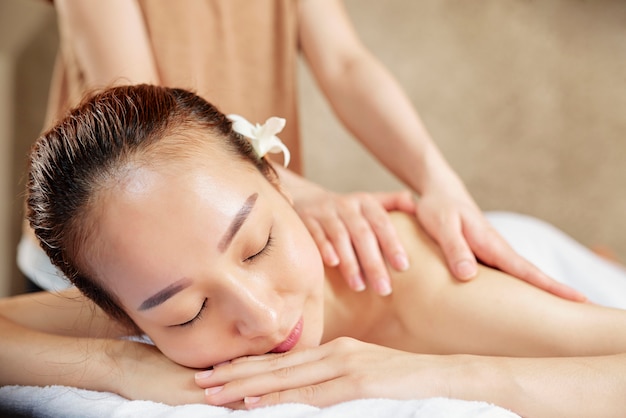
142, 372
341, 370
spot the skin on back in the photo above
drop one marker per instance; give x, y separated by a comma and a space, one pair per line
430, 311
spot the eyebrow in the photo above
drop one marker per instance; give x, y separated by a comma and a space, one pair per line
236, 224
163, 295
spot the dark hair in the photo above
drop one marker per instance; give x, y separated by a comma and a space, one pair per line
72, 161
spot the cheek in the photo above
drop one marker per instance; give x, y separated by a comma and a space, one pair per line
193, 348
176, 350
304, 257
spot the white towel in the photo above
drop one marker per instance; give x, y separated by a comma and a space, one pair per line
66, 402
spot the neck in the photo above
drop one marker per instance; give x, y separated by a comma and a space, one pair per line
349, 313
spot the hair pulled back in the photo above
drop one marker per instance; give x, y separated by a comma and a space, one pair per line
98, 138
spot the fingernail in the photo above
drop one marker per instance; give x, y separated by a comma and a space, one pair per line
331, 258
204, 374
465, 270
356, 283
249, 400
383, 287
401, 262
213, 390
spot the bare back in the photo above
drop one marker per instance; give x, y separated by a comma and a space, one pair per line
430, 311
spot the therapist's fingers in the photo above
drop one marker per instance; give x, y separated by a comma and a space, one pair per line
363, 217
341, 238
374, 236
402, 201
353, 229
491, 248
378, 219
326, 248
447, 230
354, 233
321, 217
386, 233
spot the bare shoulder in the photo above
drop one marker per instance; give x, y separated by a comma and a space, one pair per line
412, 235
425, 256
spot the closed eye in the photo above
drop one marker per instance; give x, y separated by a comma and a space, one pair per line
195, 318
264, 250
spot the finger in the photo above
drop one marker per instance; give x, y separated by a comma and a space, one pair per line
386, 235
366, 246
496, 252
531, 274
403, 201
346, 371
449, 235
269, 376
285, 379
235, 405
329, 255
524, 270
339, 235
244, 367
323, 394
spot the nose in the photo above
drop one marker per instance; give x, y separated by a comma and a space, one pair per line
254, 307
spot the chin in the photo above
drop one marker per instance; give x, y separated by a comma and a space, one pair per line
313, 332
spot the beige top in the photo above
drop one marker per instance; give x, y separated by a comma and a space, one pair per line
240, 55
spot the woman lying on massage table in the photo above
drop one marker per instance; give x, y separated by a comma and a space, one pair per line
176, 227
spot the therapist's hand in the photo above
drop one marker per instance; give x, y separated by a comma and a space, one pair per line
354, 233
455, 222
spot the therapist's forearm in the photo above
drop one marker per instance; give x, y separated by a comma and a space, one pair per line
373, 106
110, 40
296, 186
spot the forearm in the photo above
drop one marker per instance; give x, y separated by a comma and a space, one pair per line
35, 358
546, 387
374, 108
334, 372
49, 339
297, 186
131, 369
110, 41
368, 99
67, 313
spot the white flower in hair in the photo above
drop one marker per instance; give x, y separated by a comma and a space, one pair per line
262, 137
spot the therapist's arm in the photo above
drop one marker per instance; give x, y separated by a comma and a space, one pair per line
110, 40
371, 104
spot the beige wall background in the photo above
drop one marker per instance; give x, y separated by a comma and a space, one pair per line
27, 47
526, 99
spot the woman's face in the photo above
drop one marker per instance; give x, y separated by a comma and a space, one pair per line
210, 261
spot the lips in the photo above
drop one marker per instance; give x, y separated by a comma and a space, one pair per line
291, 340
